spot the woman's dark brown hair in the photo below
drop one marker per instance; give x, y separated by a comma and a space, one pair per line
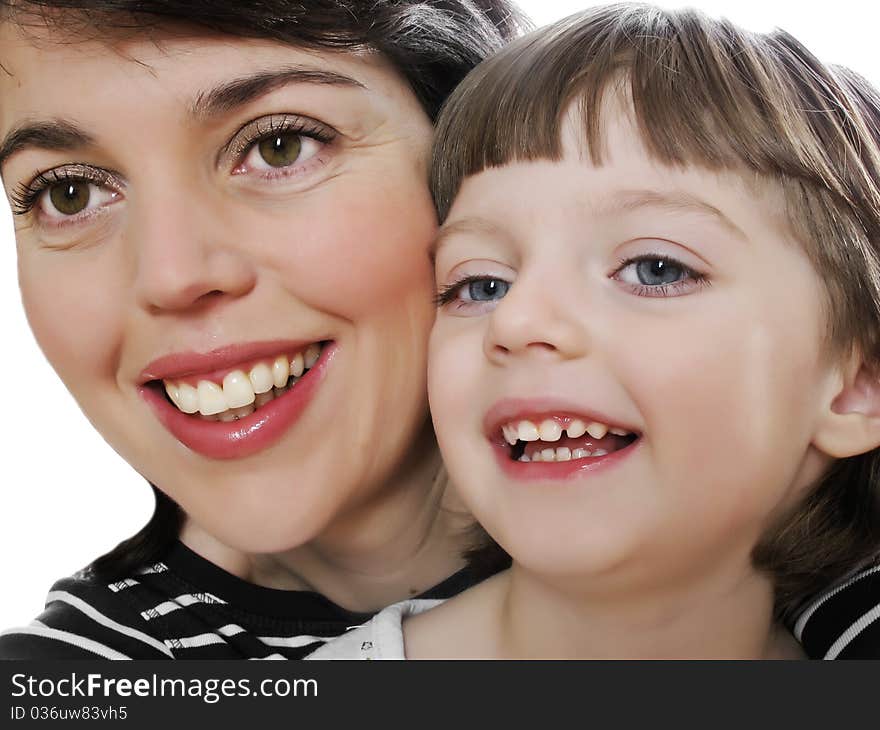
705, 92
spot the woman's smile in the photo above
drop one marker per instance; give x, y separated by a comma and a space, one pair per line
229, 411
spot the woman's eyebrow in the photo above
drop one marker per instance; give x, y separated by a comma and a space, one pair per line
62, 135
51, 134
238, 92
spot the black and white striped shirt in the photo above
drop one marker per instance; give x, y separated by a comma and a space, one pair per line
186, 608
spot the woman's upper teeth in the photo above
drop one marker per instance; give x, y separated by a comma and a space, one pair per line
241, 389
551, 429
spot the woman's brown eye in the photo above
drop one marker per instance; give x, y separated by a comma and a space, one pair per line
70, 198
281, 150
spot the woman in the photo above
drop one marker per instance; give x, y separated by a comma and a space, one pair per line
251, 199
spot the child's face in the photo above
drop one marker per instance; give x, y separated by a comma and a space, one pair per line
669, 304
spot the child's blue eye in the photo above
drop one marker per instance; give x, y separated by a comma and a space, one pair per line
656, 275
485, 290
656, 272
473, 291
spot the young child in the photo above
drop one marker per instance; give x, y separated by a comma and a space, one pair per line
653, 373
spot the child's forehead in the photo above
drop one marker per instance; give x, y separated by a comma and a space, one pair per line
616, 171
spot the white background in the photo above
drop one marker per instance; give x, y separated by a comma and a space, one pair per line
66, 497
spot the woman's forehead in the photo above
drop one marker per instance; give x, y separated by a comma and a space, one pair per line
183, 53
185, 79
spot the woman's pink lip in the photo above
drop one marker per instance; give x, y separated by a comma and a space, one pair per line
250, 435
181, 364
559, 470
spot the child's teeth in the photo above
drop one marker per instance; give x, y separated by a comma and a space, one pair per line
211, 398
597, 430
563, 454
600, 452
297, 365
580, 454
263, 398
576, 428
548, 455
550, 430
536, 456
280, 371
510, 434
237, 390
618, 431
527, 431
187, 398
313, 352
524, 458
261, 378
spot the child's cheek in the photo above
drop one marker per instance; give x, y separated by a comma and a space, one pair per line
455, 375
726, 402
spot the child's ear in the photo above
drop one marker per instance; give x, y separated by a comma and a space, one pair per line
851, 423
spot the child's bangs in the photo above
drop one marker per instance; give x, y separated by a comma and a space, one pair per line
702, 92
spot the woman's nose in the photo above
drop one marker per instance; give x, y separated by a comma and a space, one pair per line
185, 256
538, 316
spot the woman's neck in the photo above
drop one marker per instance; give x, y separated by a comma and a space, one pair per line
408, 537
520, 615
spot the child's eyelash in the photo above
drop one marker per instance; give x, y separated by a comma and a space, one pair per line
663, 290
449, 292
26, 195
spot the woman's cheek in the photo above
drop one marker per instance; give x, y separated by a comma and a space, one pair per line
77, 324
373, 254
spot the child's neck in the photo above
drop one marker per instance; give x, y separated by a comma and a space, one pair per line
730, 619
520, 615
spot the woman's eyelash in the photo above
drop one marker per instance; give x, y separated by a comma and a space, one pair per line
449, 292
26, 195
279, 124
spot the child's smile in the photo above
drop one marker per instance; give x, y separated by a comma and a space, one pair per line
532, 437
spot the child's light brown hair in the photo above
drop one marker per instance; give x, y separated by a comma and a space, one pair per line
707, 93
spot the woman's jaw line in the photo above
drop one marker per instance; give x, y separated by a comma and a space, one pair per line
217, 431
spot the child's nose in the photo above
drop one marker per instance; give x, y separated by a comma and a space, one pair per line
539, 316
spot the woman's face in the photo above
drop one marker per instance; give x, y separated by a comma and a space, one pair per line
200, 213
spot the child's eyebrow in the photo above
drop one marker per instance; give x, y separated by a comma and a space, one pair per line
627, 201
465, 225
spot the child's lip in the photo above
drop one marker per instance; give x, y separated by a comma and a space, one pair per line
560, 470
